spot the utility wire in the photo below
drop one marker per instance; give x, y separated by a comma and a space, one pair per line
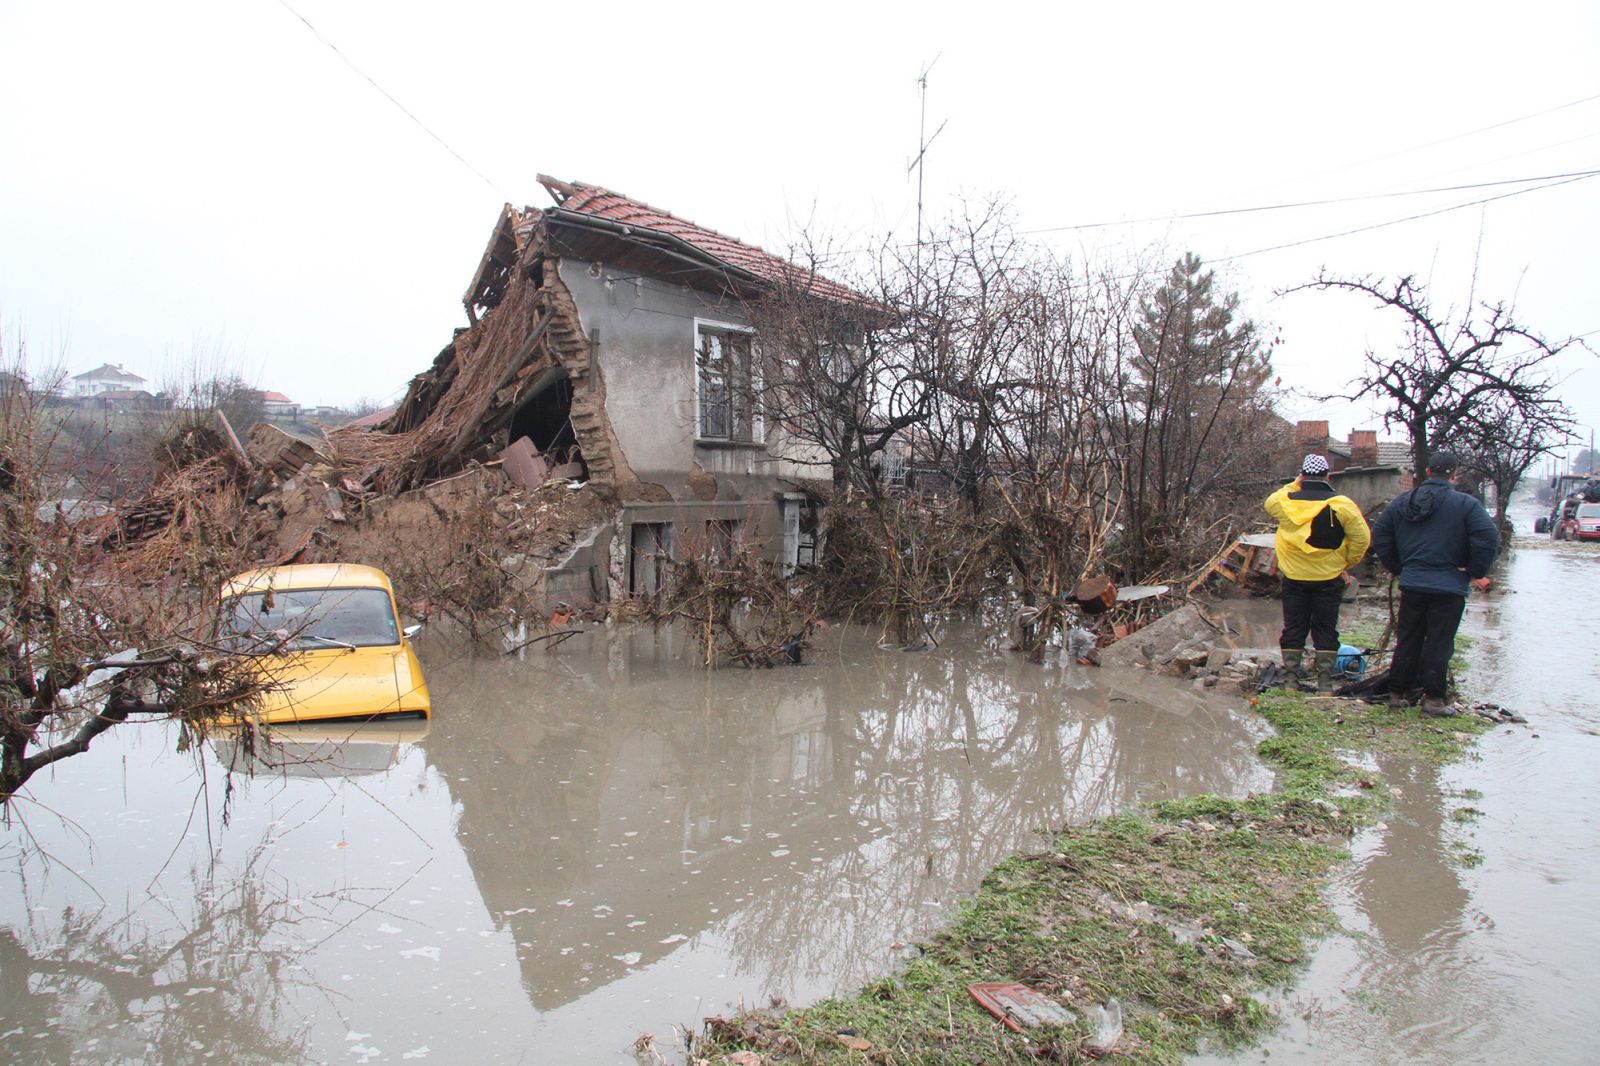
1409, 218
390, 97
1551, 180
1434, 144
1315, 203
1481, 129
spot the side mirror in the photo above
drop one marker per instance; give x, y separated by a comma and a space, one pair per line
412, 630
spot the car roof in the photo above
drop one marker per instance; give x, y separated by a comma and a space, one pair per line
307, 576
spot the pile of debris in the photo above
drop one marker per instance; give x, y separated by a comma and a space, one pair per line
1189, 644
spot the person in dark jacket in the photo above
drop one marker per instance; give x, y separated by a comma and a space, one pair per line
1440, 542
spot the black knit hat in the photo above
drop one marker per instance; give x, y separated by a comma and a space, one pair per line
1443, 463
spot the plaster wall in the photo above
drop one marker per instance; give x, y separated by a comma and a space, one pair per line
1370, 488
643, 330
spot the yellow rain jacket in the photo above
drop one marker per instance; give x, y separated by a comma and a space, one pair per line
1321, 534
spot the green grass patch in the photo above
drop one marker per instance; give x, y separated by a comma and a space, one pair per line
1181, 912
1363, 632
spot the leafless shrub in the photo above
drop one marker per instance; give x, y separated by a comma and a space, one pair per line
740, 606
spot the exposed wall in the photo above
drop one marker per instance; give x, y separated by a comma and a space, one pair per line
643, 331
1370, 487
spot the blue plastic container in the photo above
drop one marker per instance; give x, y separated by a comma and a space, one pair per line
1351, 663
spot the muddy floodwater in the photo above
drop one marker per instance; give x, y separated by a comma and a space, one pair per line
1475, 938
586, 844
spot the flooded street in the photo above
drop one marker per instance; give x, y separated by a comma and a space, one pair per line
1476, 938
592, 843
605, 840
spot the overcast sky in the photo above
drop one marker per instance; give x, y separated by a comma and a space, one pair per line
210, 179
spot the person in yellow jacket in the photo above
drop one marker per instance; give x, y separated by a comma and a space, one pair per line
1321, 535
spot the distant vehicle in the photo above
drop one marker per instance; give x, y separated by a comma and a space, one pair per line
1586, 523
329, 642
1572, 491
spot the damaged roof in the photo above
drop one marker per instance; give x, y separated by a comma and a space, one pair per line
591, 202
600, 225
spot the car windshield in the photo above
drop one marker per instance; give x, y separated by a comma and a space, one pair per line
315, 618
1589, 510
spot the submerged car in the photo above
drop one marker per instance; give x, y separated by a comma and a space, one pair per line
329, 642
1586, 522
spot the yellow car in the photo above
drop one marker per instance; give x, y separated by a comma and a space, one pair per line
333, 644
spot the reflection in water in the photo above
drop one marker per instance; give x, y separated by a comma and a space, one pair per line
80, 987
606, 839
1410, 888
809, 816
322, 750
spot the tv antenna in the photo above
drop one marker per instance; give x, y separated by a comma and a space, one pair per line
923, 141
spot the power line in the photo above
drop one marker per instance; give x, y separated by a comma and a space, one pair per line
1409, 218
390, 97
1551, 180
1442, 140
1313, 203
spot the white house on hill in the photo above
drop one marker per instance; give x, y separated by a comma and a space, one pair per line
106, 378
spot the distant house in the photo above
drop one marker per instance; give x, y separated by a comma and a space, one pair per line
105, 378
124, 401
277, 405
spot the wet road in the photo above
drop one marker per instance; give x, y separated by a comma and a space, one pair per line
1476, 939
589, 844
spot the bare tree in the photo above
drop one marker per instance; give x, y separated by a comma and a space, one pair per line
843, 374
1500, 446
91, 637
1451, 380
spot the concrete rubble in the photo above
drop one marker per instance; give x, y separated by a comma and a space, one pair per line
1186, 644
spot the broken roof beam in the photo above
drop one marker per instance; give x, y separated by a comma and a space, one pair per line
487, 419
499, 256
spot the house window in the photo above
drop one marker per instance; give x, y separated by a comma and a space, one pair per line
728, 384
723, 537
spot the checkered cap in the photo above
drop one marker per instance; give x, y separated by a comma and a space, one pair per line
1314, 464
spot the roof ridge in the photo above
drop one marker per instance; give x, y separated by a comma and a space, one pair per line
675, 217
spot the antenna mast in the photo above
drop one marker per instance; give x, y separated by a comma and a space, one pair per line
923, 141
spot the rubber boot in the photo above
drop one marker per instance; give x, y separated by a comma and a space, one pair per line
1293, 666
1326, 660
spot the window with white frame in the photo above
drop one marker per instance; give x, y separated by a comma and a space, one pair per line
728, 384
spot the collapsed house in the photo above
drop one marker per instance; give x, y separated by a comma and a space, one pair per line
610, 343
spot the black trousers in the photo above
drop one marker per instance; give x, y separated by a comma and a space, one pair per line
1425, 636
1311, 606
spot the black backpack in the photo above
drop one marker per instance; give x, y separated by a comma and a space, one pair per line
1326, 530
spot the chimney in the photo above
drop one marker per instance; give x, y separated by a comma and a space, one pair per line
1311, 437
1363, 447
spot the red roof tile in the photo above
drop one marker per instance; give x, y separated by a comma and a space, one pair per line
373, 420
613, 206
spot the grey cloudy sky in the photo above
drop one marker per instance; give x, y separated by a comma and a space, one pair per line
210, 178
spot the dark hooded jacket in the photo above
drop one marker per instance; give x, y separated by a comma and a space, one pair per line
1435, 538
